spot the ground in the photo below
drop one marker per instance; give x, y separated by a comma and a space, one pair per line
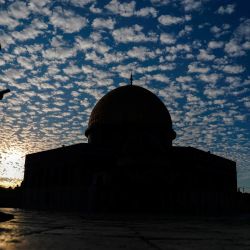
50, 230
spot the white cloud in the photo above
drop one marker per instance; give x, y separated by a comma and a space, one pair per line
38, 3
52, 70
203, 25
184, 79
228, 9
148, 78
205, 56
67, 20
213, 93
185, 31
226, 26
160, 2
219, 101
101, 47
81, 3
189, 56
57, 41
147, 11
170, 20
6, 20
247, 104
149, 69
196, 44
233, 80
133, 34
188, 17
170, 93
34, 48
123, 9
141, 53
39, 6
243, 31
209, 78
60, 53
12, 74
191, 5
96, 36
91, 43
2, 62
160, 78
95, 10
234, 49
84, 44
246, 45
233, 69
167, 38
25, 62
167, 66
107, 58
27, 33
220, 31
101, 23
97, 76
72, 69
191, 99
215, 44
6, 39
215, 29
179, 48
171, 58
19, 10
39, 24
194, 68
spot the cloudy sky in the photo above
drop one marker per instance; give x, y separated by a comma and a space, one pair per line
59, 57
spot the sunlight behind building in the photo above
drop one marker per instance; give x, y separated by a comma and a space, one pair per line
12, 168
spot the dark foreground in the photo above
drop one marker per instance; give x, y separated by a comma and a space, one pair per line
41, 230
5, 217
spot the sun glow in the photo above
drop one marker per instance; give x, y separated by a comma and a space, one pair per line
11, 168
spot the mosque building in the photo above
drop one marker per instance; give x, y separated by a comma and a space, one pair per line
130, 165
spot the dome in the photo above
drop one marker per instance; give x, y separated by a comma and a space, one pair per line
130, 106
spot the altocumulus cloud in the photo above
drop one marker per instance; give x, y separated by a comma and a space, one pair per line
60, 57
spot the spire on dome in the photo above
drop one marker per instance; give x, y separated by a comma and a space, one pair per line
131, 79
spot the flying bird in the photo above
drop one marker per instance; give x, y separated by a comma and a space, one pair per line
3, 92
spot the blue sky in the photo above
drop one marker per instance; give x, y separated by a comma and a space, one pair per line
59, 57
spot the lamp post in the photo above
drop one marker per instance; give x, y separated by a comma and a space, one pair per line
3, 92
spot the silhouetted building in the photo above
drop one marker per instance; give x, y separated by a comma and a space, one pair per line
129, 164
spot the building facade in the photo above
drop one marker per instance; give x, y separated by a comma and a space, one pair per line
130, 165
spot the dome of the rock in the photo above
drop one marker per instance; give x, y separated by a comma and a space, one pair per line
129, 110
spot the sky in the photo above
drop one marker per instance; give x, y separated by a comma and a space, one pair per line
60, 57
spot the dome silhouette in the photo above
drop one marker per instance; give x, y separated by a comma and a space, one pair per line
129, 108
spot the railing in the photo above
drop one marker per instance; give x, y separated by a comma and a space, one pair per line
244, 189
